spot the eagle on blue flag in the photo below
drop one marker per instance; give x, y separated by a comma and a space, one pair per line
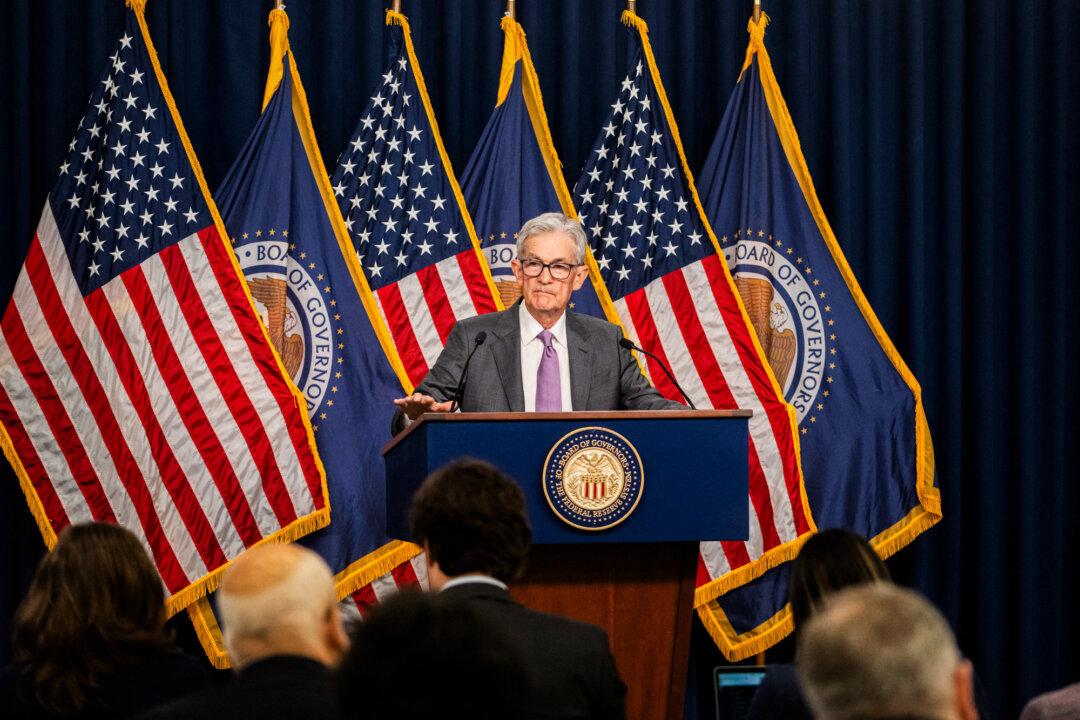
515, 174
300, 266
867, 457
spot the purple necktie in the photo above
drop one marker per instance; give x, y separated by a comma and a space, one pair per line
548, 388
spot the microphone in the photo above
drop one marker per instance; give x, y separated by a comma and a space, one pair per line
626, 344
459, 394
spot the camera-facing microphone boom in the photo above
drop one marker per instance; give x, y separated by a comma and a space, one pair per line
627, 344
459, 394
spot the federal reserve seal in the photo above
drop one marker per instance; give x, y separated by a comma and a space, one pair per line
593, 478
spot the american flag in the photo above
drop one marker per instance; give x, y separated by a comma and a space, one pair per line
136, 383
404, 211
671, 291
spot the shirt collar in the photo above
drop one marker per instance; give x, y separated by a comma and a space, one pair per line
466, 579
530, 328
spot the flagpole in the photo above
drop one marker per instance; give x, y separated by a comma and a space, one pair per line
397, 6
757, 11
279, 4
631, 5
511, 9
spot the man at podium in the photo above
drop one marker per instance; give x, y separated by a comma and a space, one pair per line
536, 355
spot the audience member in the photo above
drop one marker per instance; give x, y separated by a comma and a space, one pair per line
282, 627
1063, 704
829, 561
89, 638
420, 656
879, 651
471, 521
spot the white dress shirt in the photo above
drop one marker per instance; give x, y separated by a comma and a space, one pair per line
466, 579
532, 349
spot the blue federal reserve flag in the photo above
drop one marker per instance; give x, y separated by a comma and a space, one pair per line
290, 240
515, 174
867, 457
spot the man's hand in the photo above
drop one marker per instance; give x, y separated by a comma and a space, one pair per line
417, 404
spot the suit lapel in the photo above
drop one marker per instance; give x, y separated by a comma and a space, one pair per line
506, 349
577, 339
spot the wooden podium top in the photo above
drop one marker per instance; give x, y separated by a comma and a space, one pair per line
575, 415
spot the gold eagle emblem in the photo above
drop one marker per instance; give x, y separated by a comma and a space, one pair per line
767, 317
280, 321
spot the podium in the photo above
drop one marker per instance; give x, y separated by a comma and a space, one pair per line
686, 475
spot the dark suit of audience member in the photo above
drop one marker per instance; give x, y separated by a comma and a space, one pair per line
282, 628
419, 656
90, 638
829, 561
471, 521
572, 673
283, 687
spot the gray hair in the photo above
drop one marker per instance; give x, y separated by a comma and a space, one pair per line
877, 651
552, 222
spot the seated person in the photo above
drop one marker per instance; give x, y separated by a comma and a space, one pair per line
537, 355
1060, 704
419, 656
90, 638
878, 652
471, 521
282, 627
829, 561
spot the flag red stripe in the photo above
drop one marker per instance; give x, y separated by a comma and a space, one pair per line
703, 576
97, 402
404, 575
442, 315
476, 282
232, 390
712, 377
759, 496
55, 415
365, 599
292, 410
697, 342
736, 553
397, 318
190, 408
777, 413
645, 327
172, 474
35, 470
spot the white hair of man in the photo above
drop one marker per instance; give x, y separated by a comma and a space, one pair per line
279, 599
548, 223
879, 651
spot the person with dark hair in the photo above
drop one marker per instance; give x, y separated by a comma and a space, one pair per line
419, 656
470, 519
830, 561
90, 638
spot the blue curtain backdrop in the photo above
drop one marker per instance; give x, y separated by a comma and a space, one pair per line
937, 132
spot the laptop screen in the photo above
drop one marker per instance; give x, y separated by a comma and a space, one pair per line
735, 687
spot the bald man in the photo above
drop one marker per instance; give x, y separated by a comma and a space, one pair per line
282, 628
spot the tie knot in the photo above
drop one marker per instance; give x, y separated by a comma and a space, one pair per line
545, 337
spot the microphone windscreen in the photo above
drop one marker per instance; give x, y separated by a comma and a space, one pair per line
481, 337
625, 344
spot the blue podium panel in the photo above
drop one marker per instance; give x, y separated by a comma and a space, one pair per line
693, 469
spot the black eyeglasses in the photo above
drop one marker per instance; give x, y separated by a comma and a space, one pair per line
559, 270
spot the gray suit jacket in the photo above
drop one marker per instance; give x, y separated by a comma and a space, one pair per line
603, 376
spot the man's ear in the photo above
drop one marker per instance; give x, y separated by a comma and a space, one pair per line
334, 635
515, 266
579, 276
964, 691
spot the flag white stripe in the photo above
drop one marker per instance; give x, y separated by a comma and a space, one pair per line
183, 545
457, 290
251, 379
423, 325
384, 587
207, 392
419, 566
715, 558
682, 366
742, 389
168, 414
76, 405
31, 417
